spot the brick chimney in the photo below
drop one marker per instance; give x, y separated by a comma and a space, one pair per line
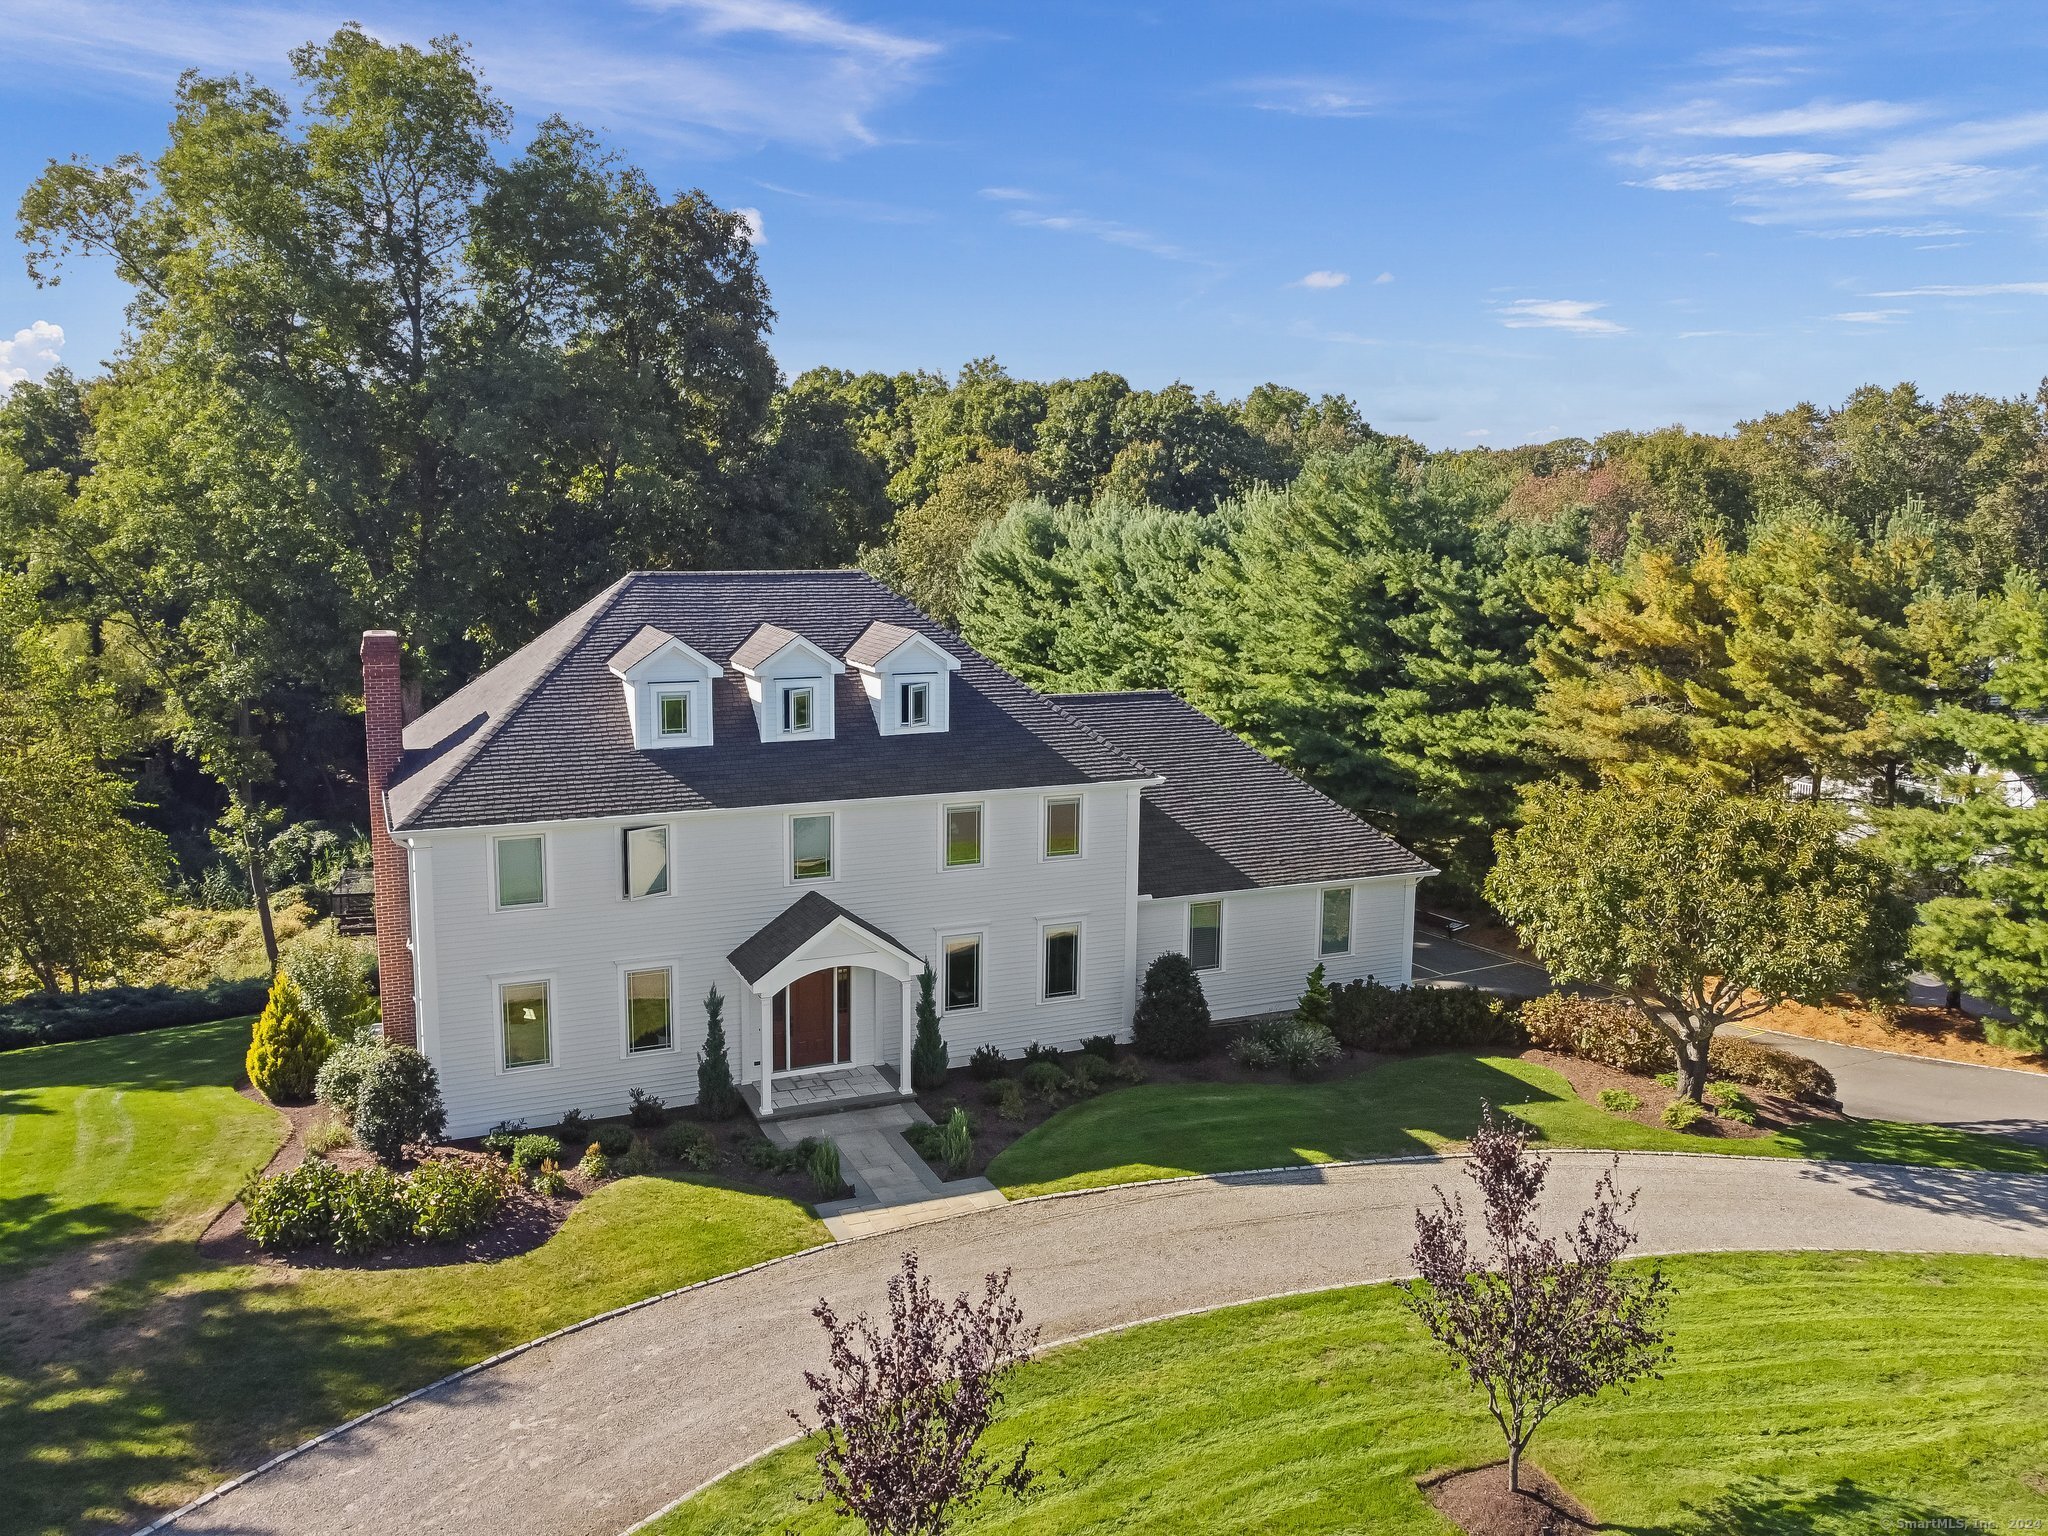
383, 732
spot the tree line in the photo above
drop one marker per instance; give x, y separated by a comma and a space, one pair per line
388, 364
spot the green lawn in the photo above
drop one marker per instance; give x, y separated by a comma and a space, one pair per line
104, 1137
1411, 1106
1831, 1395
179, 1371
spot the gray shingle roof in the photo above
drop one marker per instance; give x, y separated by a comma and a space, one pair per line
794, 927
1228, 818
639, 648
543, 735
763, 643
876, 642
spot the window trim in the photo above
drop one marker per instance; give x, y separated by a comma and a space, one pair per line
946, 810
789, 874
980, 1003
1222, 934
662, 695
546, 981
547, 884
1046, 929
627, 970
1045, 805
668, 883
1350, 894
788, 692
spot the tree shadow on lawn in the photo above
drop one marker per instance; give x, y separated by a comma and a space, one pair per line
196, 1372
1762, 1506
35, 1226
1895, 1141
160, 1060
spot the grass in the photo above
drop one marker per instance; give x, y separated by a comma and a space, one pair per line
128, 1387
1412, 1106
99, 1138
1827, 1394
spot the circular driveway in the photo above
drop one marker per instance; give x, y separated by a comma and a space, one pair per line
594, 1430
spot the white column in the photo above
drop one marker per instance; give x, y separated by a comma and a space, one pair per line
909, 985
764, 1007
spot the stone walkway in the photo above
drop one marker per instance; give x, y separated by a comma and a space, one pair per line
892, 1186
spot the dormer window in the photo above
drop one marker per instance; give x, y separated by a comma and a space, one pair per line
904, 673
914, 704
668, 690
799, 710
674, 713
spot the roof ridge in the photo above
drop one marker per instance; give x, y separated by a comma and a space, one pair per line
1080, 724
598, 605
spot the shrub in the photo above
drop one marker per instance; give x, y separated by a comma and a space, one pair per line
1366, 1016
1128, 1071
1172, 1019
986, 1064
573, 1127
453, 1198
759, 1152
1619, 1101
1683, 1114
716, 1094
530, 1151
333, 975
924, 1141
1313, 1006
1006, 1097
366, 1211
46, 1018
1100, 1045
1303, 1049
1044, 1080
690, 1145
638, 1159
286, 1048
821, 1162
1731, 1103
340, 1078
928, 1057
500, 1138
614, 1138
1614, 1034
1037, 1052
290, 1210
646, 1110
1756, 1065
595, 1164
548, 1181
398, 1104
325, 1136
956, 1141
1091, 1073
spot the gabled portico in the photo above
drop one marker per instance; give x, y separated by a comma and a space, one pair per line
814, 1002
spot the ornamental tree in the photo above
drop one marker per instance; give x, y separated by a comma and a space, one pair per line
928, 1051
902, 1406
716, 1095
1534, 1324
1705, 908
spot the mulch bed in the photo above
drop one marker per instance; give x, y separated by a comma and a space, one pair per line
523, 1222
1481, 1503
1588, 1078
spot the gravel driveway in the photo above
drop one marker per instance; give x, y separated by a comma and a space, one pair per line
596, 1429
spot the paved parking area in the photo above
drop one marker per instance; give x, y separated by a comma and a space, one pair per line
1444, 961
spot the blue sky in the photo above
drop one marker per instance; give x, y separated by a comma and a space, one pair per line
1485, 222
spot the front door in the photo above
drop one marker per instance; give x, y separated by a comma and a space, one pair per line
814, 1020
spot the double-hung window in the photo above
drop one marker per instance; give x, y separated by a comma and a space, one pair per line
646, 861
1063, 828
810, 847
523, 1023
1205, 935
648, 1022
962, 977
1336, 935
1063, 961
799, 709
672, 713
522, 871
963, 835
914, 704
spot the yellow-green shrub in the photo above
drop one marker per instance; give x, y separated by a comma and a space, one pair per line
286, 1047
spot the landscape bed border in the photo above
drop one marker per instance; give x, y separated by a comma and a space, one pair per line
1274, 1174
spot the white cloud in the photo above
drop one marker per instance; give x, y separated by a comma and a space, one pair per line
1712, 119
1962, 291
1384, 277
1321, 279
1869, 316
1557, 315
701, 73
1009, 195
751, 217
32, 352
1109, 231
1311, 96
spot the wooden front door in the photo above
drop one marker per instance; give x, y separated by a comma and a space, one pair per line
814, 1020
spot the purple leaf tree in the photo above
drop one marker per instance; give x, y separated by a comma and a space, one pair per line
901, 1409
1535, 1323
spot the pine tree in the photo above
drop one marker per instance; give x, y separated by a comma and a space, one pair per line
716, 1095
928, 1053
1313, 1007
286, 1048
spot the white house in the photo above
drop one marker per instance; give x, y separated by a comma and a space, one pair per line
797, 789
